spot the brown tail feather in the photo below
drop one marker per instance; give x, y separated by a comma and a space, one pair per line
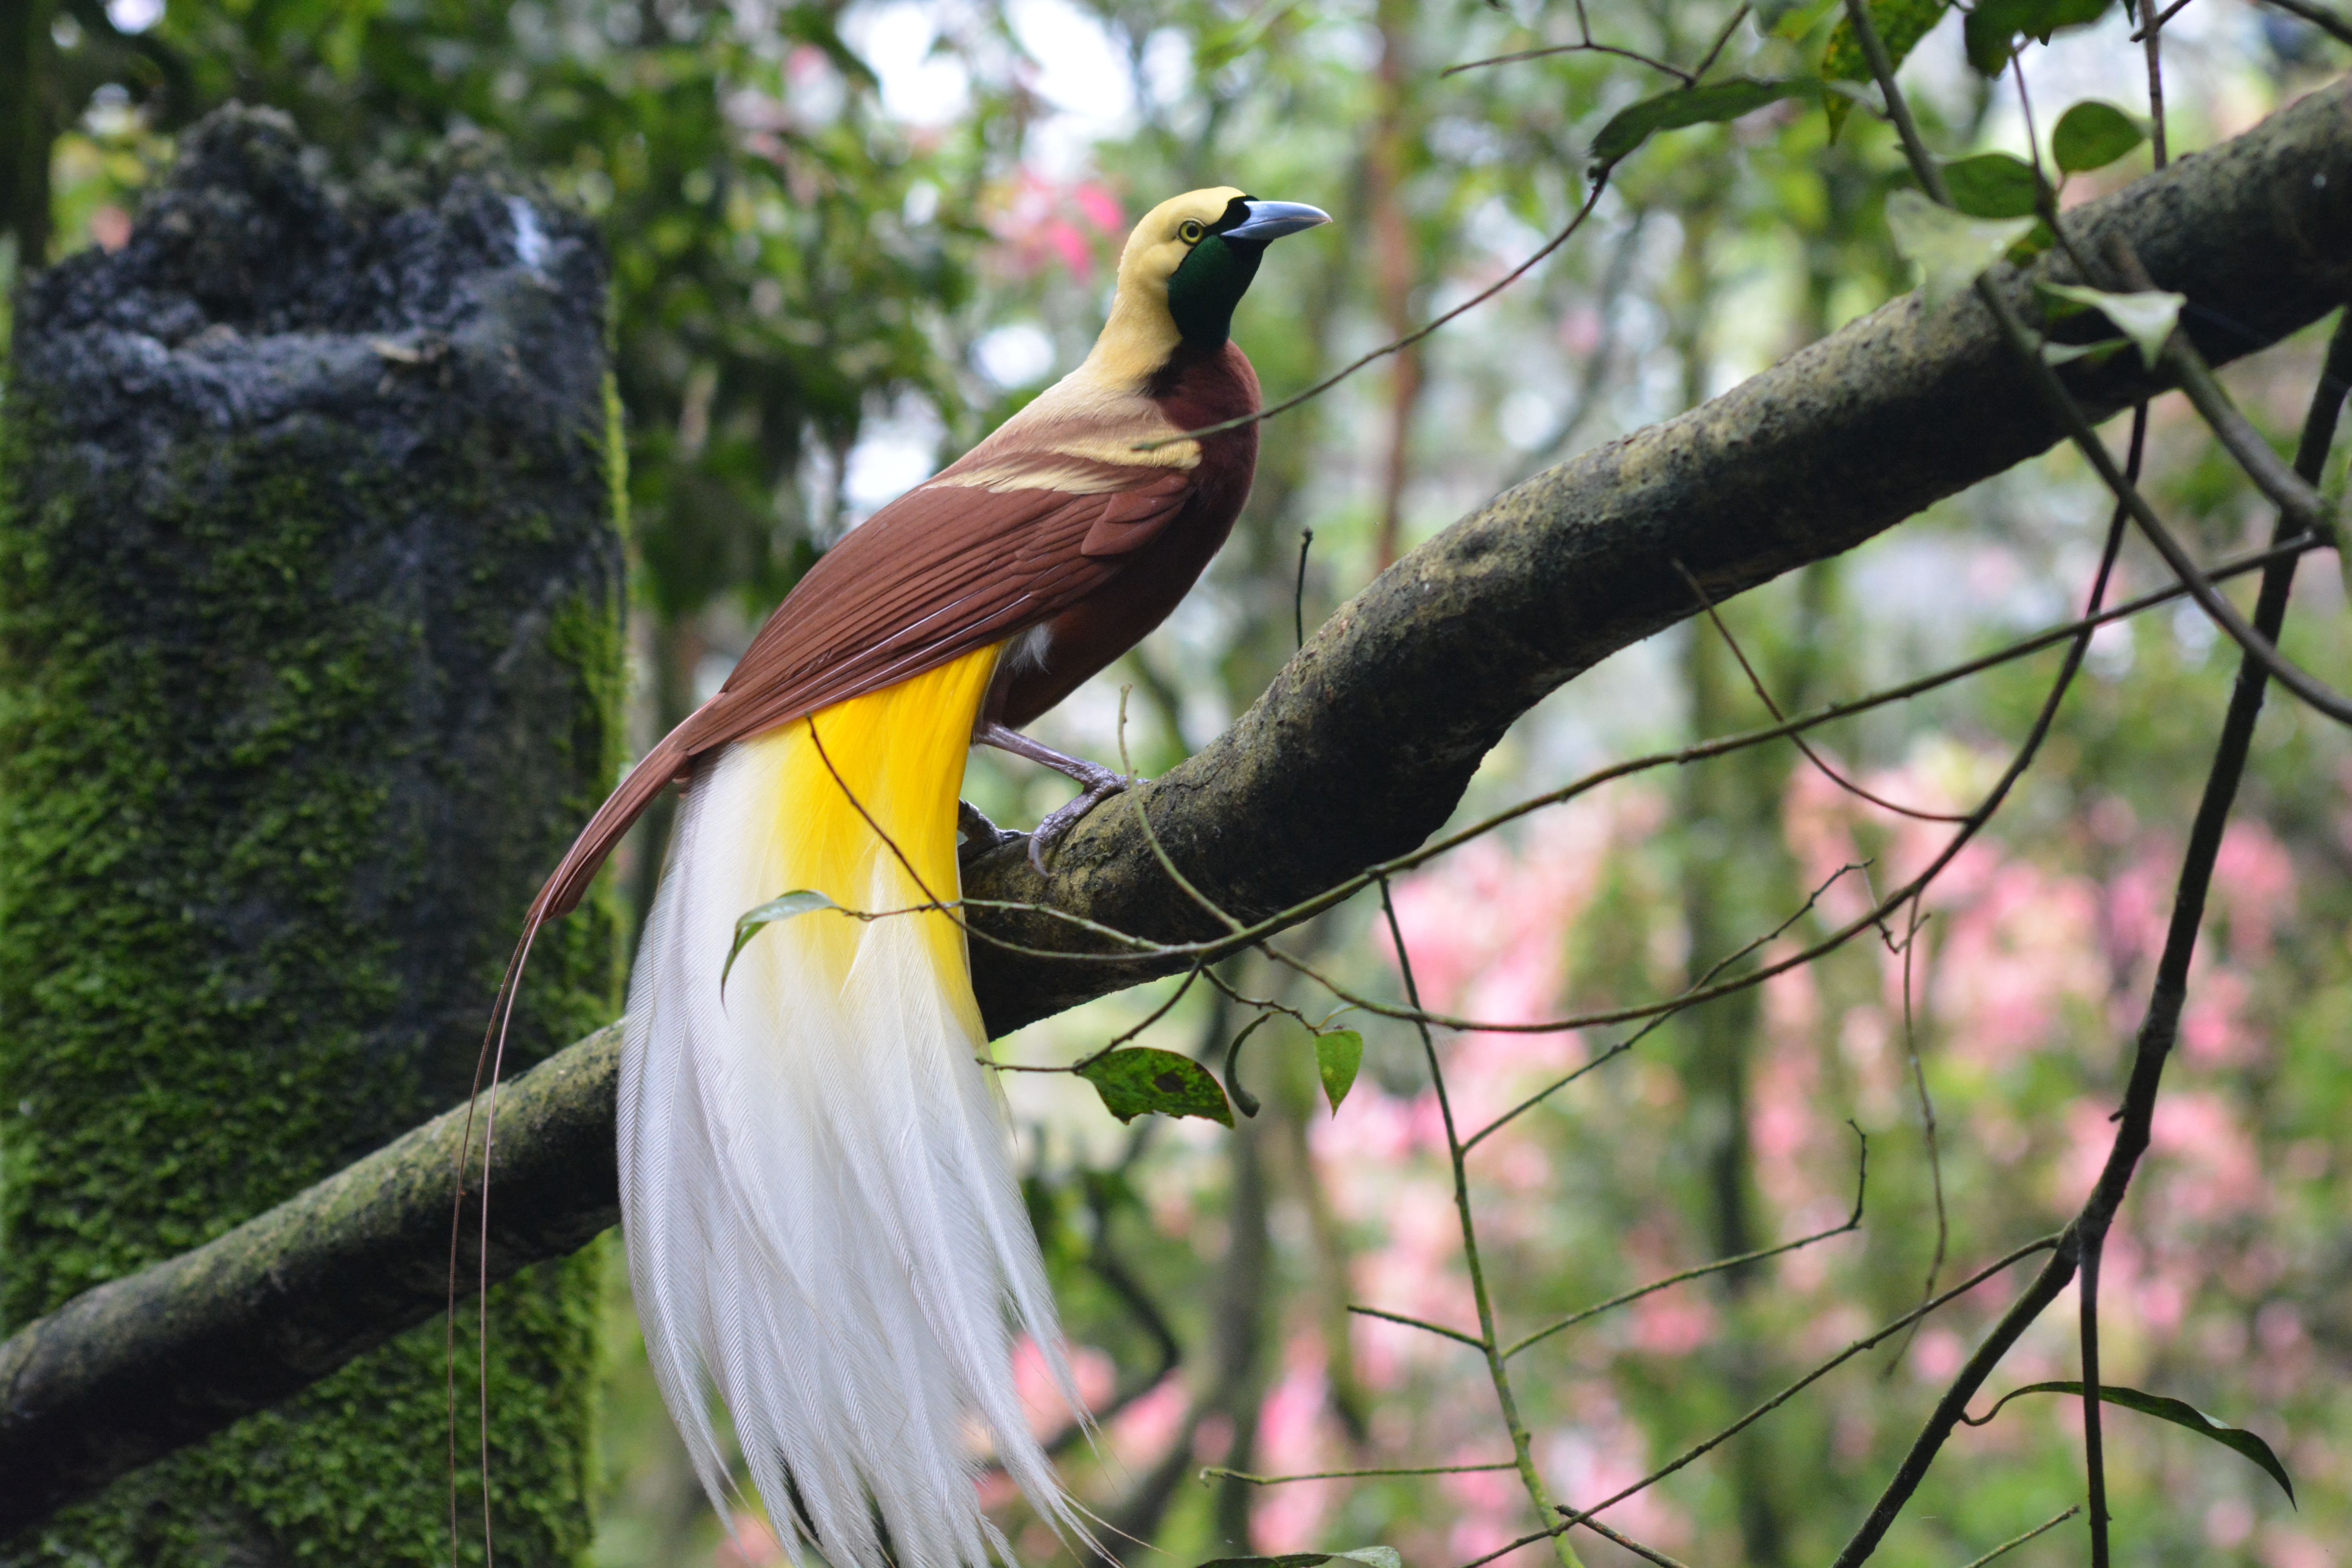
623, 808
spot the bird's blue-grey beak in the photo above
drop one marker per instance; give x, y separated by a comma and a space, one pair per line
1272, 220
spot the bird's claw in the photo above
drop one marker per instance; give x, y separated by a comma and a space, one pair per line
1050, 832
975, 835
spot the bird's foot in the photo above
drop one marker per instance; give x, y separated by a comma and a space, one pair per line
1099, 783
1050, 832
975, 835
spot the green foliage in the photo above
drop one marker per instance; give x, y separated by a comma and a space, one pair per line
1900, 25
1337, 1053
1952, 250
752, 921
1734, 98
1994, 27
1145, 1079
1370, 1556
768, 287
2091, 135
2164, 1408
2147, 318
1994, 185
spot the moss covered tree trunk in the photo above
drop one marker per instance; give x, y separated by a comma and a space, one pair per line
309, 598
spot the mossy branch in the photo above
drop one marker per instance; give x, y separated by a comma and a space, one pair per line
1358, 751
142, 1366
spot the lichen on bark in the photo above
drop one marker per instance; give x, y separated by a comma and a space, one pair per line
310, 658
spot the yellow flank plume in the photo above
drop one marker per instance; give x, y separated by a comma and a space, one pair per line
901, 752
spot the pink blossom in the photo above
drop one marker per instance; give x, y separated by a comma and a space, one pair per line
2286, 1547
1291, 1441
2215, 1172
2253, 882
1040, 222
1141, 1433
2228, 1522
1099, 207
749, 1543
1673, 1322
1043, 1402
1936, 1356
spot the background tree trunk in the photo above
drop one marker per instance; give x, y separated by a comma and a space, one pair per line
310, 610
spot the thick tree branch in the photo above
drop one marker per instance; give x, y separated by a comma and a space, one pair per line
1365, 742
1358, 750
142, 1366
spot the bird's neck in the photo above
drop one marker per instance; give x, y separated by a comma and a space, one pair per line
1197, 386
1139, 338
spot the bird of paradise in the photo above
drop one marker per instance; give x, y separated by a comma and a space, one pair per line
823, 1226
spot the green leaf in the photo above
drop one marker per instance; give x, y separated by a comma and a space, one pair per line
1712, 104
2097, 353
782, 907
2178, 1412
1951, 248
1992, 184
1338, 1055
2091, 135
2147, 317
1900, 24
1144, 1078
1994, 26
1370, 1556
1790, 18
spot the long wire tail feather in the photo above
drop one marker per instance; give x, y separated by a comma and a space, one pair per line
490, 1059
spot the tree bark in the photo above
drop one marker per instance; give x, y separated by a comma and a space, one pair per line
1364, 743
310, 613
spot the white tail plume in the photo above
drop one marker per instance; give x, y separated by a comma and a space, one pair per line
823, 1223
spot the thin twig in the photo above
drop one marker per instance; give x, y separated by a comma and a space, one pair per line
1522, 1443
1298, 595
1472, 1340
1852, 1223
1698, 1450
2319, 17
1722, 38
1688, 78
1764, 695
1591, 200
1621, 1047
2014, 1541
2167, 15
2160, 1028
1220, 1470
1650, 1552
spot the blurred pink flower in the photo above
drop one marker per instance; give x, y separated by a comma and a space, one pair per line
750, 1544
1292, 1440
2254, 883
2014, 954
2286, 1547
1041, 221
1047, 1410
2214, 1170
1140, 1434
1673, 1322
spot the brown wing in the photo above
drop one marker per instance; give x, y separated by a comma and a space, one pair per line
939, 573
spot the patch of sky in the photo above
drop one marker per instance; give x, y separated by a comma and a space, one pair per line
1019, 354
134, 16
894, 454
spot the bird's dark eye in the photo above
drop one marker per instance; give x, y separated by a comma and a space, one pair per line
1189, 231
